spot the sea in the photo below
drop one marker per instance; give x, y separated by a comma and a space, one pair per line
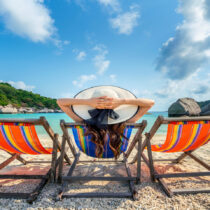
54, 120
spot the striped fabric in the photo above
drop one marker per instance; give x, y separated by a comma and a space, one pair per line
85, 145
21, 138
185, 136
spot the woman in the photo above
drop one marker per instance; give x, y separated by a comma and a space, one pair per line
105, 109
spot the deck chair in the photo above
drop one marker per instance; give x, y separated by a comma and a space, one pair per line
185, 135
18, 137
85, 145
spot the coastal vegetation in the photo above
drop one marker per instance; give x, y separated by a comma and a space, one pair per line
203, 103
22, 98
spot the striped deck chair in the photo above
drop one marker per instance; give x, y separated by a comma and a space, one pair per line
19, 137
86, 146
184, 134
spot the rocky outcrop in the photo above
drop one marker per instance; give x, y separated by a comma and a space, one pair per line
46, 110
9, 109
26, 110
58, 111
188, 107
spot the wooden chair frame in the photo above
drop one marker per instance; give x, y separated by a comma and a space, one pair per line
69, 178
150, 161
50, 175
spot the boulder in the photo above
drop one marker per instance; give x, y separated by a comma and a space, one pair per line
26, 110
58, 111
184, 107
9, 109
46, 110
205, 110
51, 111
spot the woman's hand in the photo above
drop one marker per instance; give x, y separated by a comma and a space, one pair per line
97, 103
104, 102
112, 103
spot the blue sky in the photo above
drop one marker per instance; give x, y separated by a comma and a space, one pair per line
157, 49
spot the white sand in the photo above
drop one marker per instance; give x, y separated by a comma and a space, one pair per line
150, 195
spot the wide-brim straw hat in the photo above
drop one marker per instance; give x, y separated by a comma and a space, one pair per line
125, 112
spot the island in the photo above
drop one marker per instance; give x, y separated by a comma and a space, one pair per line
14, 100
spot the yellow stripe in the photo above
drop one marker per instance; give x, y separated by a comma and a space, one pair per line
195, 127
2, 147
82, 138
30, 139
175, 134
10, 137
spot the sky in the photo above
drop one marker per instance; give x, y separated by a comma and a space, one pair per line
156, 49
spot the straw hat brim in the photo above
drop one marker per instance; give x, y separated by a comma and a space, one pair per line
125, 112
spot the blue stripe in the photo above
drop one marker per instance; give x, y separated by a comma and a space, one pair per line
195, 138
92, 146
178, 137
26, 139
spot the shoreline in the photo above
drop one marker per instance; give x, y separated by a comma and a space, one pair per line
10, 109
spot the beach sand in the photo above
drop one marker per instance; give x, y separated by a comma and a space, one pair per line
150, 195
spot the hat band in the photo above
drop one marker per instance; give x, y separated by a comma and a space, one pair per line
99, 117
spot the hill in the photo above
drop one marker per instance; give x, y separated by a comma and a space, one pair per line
22, 98
203, 103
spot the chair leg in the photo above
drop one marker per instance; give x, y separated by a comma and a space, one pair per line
165, 187
19, 158
70, 172
20, 195
33, 196
151, 164
68, 177
60, 169
199, 161
53, 164
131, 183
189, 153
8, 161
170, 192
139, 161
181, 157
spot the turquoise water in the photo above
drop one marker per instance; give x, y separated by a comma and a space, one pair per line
54, 120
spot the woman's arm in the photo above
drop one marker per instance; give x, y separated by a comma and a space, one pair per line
144, 104
112, 103
66, 103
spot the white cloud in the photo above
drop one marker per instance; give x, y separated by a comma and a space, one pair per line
189, 49
28, 18
126, 22
60, 45
113, 4
83, 79
195, 86
81, 56
100, 61
21, 85
112, 77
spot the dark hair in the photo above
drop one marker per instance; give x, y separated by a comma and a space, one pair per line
98, 136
